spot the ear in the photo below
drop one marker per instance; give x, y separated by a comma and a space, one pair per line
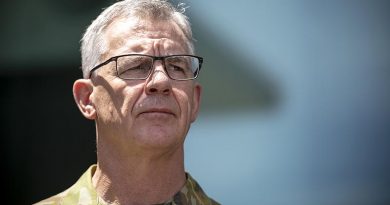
82, 90
196, 101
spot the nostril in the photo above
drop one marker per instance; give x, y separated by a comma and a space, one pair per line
152, 90
166, 91
156, 90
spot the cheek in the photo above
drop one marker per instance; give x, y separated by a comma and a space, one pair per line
185, 101
131, 95
106, 108
114, 103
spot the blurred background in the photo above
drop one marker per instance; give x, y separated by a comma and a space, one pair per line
296, 104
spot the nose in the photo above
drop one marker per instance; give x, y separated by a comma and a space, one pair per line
158, 81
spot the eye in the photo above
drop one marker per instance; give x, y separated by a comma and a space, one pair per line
138, 67
176, 65
129, 68
177, 68
134, 70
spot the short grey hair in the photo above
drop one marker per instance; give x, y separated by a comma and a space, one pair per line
93, 45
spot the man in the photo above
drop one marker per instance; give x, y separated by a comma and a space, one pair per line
139, 68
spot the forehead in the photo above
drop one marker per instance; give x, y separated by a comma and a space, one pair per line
133, 35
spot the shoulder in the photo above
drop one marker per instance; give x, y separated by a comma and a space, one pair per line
54, 200
82, 192
73, 195
192, 193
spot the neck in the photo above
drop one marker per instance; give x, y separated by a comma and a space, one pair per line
122, 177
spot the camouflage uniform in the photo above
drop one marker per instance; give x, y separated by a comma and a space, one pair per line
83, 193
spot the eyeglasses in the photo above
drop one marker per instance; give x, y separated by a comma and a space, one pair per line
140, 66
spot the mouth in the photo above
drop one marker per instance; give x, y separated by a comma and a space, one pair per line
157, 112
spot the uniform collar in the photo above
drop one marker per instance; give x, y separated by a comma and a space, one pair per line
190, 193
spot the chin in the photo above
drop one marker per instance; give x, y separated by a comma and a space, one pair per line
158, 139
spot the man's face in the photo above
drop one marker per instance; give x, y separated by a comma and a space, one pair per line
152, 113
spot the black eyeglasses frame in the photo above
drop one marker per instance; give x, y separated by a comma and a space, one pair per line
162, 58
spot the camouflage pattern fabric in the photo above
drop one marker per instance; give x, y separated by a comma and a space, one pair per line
83, 193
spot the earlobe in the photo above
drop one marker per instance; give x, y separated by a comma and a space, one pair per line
82, 90
196, 101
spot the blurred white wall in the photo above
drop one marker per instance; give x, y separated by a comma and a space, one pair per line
328, 140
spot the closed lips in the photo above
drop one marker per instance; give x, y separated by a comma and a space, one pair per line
155, 110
